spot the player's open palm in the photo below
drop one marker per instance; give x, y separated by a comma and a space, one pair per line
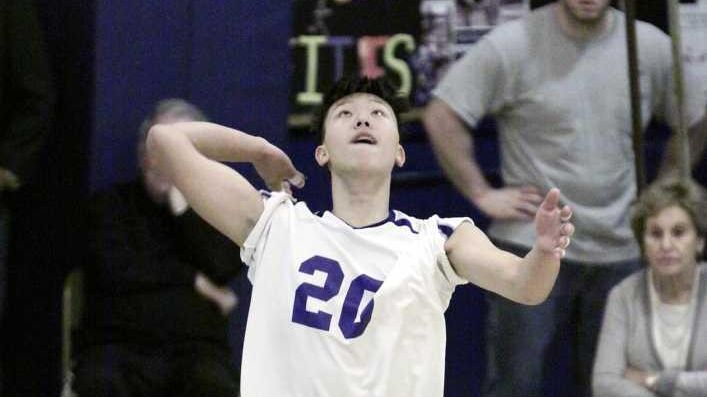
277, 170
552, 225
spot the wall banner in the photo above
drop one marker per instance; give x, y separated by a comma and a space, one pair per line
411, 41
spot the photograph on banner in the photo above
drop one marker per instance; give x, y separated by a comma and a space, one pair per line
412, 42
448, 29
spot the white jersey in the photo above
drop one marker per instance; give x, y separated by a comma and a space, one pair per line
343, 311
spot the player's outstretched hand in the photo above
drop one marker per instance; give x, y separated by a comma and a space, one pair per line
552, 225
277, 170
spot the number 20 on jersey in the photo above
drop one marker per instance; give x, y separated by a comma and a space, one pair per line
348, 325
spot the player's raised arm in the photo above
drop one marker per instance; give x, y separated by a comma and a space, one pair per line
189, 154
526, 280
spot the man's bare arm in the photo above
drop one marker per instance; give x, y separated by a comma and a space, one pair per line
453, 144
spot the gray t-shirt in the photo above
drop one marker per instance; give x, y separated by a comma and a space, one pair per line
563, 111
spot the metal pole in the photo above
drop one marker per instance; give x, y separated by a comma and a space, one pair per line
635, 90
679, 88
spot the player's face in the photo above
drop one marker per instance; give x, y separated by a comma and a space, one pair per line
585, 11
671, 242
361, 135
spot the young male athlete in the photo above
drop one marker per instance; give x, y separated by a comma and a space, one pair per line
349, 303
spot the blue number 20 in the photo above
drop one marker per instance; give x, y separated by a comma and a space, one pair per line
348, 325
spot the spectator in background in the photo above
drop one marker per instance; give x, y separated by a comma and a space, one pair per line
156, 298
26, 105
653, 341
557, 83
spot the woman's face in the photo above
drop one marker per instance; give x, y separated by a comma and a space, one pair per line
670, 241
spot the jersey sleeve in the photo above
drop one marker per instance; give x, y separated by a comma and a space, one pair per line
445, 228
276, 204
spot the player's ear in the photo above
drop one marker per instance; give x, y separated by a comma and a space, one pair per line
400, 156
321, 154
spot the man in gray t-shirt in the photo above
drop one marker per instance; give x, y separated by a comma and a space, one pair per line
557, 84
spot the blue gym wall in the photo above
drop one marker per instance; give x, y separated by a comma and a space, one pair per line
228, 57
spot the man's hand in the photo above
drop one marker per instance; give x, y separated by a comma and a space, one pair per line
510, 202
277, 170
223, 297
552, 225
8, 181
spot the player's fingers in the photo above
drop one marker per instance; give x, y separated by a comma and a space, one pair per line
274, 184
567, 229
563, 242
285, 187
551, 199
565, 213
559, 253
298, 180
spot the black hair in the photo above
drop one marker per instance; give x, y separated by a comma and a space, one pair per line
381, 87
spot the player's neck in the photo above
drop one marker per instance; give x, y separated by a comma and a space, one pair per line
360, 201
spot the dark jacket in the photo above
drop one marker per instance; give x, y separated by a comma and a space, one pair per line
26, 93
139, 284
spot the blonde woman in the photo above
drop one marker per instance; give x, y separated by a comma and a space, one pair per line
653, 340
